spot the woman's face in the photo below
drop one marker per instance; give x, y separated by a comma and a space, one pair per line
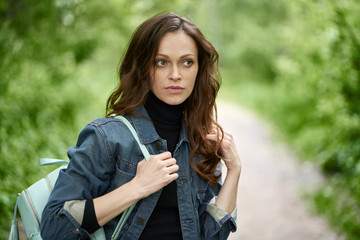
175, 69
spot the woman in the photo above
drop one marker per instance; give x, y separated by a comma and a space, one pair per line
168, 85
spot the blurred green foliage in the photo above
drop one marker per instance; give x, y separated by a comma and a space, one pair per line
299, 66
58, 63
39, 103
296, 62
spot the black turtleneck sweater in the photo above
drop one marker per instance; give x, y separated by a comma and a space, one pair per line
164, 222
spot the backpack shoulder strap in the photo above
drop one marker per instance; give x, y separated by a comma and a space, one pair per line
144, 151
147, 156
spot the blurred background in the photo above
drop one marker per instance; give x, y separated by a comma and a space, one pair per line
295, 63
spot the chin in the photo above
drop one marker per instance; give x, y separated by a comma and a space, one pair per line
176, 101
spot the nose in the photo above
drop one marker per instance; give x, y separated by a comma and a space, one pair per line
175, 73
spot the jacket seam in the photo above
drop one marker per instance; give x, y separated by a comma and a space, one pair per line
105, 144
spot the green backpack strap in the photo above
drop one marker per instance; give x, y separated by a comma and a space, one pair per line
147, 157
143, 149
51, 161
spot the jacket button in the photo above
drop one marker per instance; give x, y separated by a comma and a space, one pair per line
157, 146
140, 221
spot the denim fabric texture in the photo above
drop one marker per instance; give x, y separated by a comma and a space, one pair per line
104, 158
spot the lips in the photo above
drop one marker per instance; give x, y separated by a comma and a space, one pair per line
174, 89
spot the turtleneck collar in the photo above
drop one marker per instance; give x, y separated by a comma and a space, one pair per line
163, 113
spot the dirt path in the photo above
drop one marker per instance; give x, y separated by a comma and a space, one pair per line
270, 206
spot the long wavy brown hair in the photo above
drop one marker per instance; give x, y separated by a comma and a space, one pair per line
200, 113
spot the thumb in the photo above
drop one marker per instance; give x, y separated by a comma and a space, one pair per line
141, 162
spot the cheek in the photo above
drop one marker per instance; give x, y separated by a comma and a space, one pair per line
193, 76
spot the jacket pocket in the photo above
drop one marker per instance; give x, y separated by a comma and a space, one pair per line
125, 171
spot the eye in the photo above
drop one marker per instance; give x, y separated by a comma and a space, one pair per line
188, 63
160, 63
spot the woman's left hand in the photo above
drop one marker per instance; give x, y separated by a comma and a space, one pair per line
228, 149
227, 197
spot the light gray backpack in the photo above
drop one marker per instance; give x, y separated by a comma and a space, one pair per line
31, 201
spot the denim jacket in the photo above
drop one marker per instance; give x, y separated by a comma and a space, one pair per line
104, 158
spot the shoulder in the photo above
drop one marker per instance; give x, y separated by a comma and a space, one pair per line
103, 122
108, 123
104, 129
109, 134
108, 126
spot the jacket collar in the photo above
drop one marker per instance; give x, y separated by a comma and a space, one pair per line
146, 130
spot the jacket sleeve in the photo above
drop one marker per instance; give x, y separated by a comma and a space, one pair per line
87, 176
216, 223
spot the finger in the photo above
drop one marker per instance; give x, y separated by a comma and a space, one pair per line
215, 131
173, 168
228, 143
164, 155
141, 162
228, 139
212, 137
173, 176
228, 135
169, 162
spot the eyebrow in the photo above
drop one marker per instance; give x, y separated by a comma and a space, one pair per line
183, 56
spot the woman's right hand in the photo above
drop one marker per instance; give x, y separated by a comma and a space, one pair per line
150, 177
156, 173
